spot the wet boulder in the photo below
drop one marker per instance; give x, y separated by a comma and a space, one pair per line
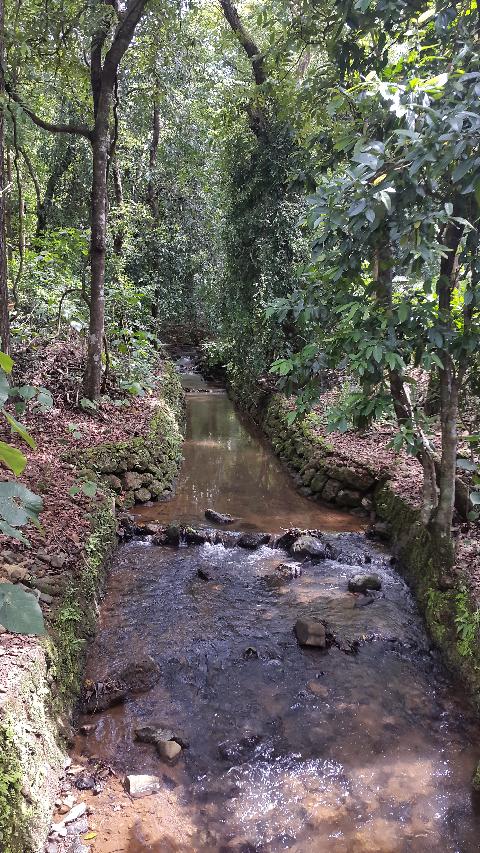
362, 583
239, 750
100, 695
219, 517
311, 632
204, 573
140, 675
251, 541
198, 536
173, 534
287, 539
379, 530
288, 571
167, 743
284, 573
310, 546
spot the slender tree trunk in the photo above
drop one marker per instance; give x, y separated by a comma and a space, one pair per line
21, 212
100, 147
152, 160
61, 165
4, 315
118, 190
402, 403
449, 386
8, 207
103, 80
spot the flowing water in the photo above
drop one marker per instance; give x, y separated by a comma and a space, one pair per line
363, 747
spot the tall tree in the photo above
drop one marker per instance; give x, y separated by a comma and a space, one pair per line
103, 77
4, 315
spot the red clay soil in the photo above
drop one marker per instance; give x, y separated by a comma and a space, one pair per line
56, 365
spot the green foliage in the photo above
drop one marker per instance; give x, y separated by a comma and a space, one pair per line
263, 246
20, 612
18, 505
11, 818
467, 623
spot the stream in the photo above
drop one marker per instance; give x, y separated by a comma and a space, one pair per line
364, 746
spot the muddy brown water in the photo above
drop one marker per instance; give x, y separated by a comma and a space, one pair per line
334, 751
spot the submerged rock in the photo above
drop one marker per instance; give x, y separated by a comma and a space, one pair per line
239, 750
140, 675
251, 541
289, 571
200, 536
379, 530
361, 583
142, 785
310, 632
167, 743
309, 546
100, 695
204, 574
219, 517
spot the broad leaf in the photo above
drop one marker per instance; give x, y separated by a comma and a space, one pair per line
12, 458
20, 611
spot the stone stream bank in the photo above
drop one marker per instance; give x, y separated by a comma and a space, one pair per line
40, 677
451, 614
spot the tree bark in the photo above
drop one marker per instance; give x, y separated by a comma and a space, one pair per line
257, 116
245, 39
98, 237
449, 387
402, 403
45, 207
4, 313
118, 190
151, 194
103, 80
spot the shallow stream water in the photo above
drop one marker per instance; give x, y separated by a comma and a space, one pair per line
363, 747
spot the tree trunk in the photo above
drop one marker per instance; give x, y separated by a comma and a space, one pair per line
402, 403
4, 315
118, 190
442, 520
103, 81
151, 194
100, 147
45, 207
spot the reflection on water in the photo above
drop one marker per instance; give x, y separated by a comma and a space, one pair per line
228, 469
288, 748
294, 749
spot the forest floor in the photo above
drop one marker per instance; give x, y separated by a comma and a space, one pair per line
60, 432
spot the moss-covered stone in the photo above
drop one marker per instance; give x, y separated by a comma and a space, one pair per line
451, 616
49, 680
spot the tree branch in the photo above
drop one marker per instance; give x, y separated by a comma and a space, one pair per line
72, 128
243, 36
123, 36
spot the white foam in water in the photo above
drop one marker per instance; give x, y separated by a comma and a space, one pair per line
271, 793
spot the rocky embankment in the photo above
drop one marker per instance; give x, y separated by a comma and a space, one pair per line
40, 676
376, 487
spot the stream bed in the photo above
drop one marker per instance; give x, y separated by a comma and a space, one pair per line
364, 746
